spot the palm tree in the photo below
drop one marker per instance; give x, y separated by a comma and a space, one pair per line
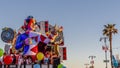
109, 30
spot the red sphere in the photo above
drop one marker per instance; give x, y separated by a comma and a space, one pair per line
7, 59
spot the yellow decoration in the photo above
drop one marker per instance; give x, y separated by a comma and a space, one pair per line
40, 56
13, 42
56, 49
54, 37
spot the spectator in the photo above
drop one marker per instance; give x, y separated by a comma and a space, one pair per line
20, 60
14, 59
53, 56
55, 60
36, 65
46, 58
29, 60
24, 60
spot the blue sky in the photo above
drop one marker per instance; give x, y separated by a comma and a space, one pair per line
82, 20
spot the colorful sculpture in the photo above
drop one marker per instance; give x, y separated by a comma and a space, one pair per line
33, 39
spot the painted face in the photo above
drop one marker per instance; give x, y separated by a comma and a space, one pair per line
32, 24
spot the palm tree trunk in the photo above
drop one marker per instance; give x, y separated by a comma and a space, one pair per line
110, 39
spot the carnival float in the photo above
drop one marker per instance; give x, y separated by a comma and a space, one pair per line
33, 43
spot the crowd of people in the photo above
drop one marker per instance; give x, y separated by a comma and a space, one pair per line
18, 58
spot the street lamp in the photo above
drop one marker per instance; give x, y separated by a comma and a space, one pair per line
92, 60
105, 48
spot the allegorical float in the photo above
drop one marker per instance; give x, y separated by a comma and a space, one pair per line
33, 43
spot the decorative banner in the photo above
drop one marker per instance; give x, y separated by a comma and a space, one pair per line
63, 53
7, 34
44, 26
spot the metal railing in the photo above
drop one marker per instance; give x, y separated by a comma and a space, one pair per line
26, 66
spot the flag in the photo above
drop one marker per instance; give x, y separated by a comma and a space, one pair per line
105, 48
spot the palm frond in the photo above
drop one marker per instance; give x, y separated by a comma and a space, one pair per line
109, 28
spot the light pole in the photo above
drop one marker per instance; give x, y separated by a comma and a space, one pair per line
92, 60
105, 48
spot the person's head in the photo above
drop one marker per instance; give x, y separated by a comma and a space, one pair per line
4, 54
29, 57
53, 53
30, 23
